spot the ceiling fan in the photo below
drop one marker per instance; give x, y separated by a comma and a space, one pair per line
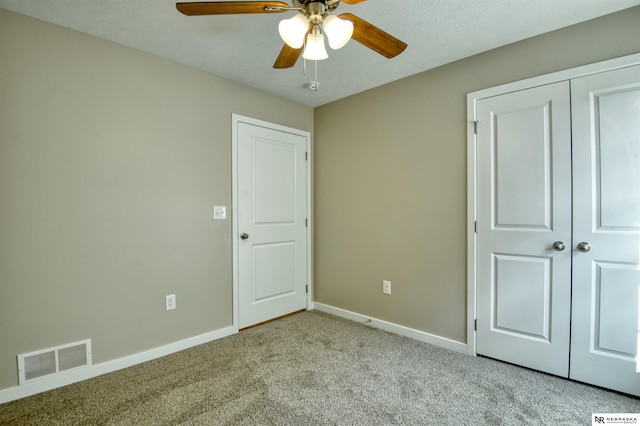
304, 33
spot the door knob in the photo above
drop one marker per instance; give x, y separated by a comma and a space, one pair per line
558, 246
584, 247
244, 236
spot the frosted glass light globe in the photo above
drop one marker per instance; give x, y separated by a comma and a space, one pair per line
339, 31
315, 49
293, 30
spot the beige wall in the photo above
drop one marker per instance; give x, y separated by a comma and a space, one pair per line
111, 161
390, 177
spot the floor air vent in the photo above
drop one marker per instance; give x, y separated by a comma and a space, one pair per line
52, 361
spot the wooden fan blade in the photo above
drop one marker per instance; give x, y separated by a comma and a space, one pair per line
288, 57
231, 7
374, 38
352, 1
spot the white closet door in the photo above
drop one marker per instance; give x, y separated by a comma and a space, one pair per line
524, 207
606, 278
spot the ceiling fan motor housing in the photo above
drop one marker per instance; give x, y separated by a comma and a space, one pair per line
313, 7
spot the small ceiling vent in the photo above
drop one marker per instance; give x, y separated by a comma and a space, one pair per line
48, 362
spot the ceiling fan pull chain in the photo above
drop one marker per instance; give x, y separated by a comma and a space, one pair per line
317, 83
314, 84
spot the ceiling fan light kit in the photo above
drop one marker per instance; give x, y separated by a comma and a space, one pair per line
314, 14
304, 31
294, 30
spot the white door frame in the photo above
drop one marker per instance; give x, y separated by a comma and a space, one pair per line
472, 99
235, 120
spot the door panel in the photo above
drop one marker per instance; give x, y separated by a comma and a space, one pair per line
272, 200
524, 206
519, 281
274, 180
606, 279
522, 168
618, 157
272, 282
615, 313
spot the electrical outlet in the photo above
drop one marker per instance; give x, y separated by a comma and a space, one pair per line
386, 287
170, 302
219, 212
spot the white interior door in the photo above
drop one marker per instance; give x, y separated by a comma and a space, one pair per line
606, 278
271, 217
524, 207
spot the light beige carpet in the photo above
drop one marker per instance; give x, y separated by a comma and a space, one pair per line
316, 369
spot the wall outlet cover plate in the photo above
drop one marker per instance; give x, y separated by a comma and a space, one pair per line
219, 212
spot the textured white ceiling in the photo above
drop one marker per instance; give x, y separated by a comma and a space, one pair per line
244, 47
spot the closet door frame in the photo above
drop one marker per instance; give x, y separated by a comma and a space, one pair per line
472, 99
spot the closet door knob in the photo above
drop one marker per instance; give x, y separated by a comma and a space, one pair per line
558, 246
584, 247
244, 236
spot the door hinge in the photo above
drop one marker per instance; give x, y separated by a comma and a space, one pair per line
306, 223
306, 288
475, 324
475, 127
306, 156
475, 226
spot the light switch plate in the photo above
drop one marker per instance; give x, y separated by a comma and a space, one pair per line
219, 212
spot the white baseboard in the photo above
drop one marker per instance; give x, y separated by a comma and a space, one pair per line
443, 342
28, 389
